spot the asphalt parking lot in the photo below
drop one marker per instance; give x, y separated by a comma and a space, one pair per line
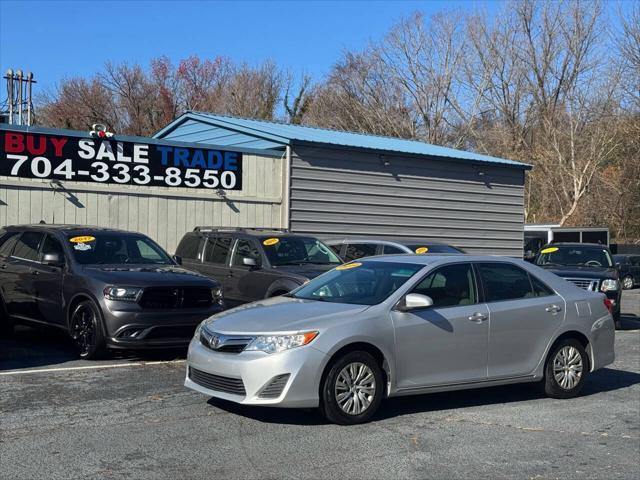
130, 417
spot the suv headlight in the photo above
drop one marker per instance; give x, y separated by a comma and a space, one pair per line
609, 284
122, 294
280, 343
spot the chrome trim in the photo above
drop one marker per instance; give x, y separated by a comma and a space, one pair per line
217, 341
590, 284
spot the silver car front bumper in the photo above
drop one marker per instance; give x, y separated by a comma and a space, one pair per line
243, 377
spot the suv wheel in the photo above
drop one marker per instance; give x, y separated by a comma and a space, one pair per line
627, 282
85, 328
566, 369
6, 323
352, 389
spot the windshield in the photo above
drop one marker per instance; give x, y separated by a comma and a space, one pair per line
582, 256
360, 283
298, 251
117, 249
422, 248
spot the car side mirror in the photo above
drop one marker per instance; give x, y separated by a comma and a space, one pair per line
177, 259
249, 262
414, 301
52, 259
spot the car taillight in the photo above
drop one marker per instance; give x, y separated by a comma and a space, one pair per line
609, 304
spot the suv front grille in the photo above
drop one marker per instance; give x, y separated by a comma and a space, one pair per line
176, 297
217, 382
590, 284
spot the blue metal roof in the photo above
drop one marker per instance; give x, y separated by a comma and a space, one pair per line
275, 133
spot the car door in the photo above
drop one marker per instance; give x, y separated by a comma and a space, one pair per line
22, 303
635, 267
524, 313
215, 262
48, 283
247, 283
446, 343
7, 275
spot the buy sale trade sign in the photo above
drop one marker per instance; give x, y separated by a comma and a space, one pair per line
26, 154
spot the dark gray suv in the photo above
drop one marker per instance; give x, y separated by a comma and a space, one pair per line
254, 264
107, 288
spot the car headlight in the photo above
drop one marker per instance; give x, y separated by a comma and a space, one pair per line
280, 343
609, 284
122, 294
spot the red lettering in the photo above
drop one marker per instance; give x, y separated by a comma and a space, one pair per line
14, 142
31, 147
58, 144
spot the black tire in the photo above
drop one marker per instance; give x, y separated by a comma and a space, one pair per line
86, 331
6, 323
627, 282
329, 405
565, 388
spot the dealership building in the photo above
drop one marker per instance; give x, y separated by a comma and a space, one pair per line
205, 169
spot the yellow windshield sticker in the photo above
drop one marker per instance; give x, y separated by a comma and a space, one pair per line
422, 249
549, 250
270, 241
84, 239
347, 266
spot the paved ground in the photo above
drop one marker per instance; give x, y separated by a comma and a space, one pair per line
131, 418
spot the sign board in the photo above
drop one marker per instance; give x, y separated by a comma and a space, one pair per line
101, 160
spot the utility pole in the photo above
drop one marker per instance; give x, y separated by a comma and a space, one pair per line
19, 97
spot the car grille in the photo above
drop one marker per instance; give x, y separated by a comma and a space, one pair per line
176, 297
217, 382
274, 388
590, 284
223, 343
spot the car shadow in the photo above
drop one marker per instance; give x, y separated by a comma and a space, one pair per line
629, 321
604, 380
46, 346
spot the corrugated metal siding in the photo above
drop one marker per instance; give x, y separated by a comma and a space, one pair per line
199, 132
162, 213
336, 192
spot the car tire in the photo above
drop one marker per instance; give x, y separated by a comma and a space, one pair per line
627, 282
86, 330
566, 369
6, 323
346, 404
617, 321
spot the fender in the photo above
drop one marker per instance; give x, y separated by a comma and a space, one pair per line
282, 284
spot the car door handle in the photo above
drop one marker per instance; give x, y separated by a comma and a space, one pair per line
477, 317
35, 272
553, 309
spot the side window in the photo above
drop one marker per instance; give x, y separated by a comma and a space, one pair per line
391, 250
189, 247
218, 250
539, 288
635, 261
449, 286
359, 250
27, 246
336, 248
503, 281
7, 242
51, 245
245, 249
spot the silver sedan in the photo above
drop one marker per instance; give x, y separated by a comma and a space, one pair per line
402, 325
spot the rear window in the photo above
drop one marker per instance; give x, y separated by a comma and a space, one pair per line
218, 250
505, 282
189, 247
359, 250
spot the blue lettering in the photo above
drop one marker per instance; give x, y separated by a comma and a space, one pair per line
214, 164
181, 156
198, 159
164, 151
230, 161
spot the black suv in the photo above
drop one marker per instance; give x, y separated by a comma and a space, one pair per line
588, 265
107, 288
255, 264
629, 269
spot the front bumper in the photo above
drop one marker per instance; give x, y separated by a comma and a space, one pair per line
256, 370
154, 329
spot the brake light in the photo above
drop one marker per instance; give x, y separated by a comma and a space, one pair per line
609, 304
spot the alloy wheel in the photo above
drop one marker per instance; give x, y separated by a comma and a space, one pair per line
627, 283
355, 388
567, 367
83, 329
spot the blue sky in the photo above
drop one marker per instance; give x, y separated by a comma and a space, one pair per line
57, 39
